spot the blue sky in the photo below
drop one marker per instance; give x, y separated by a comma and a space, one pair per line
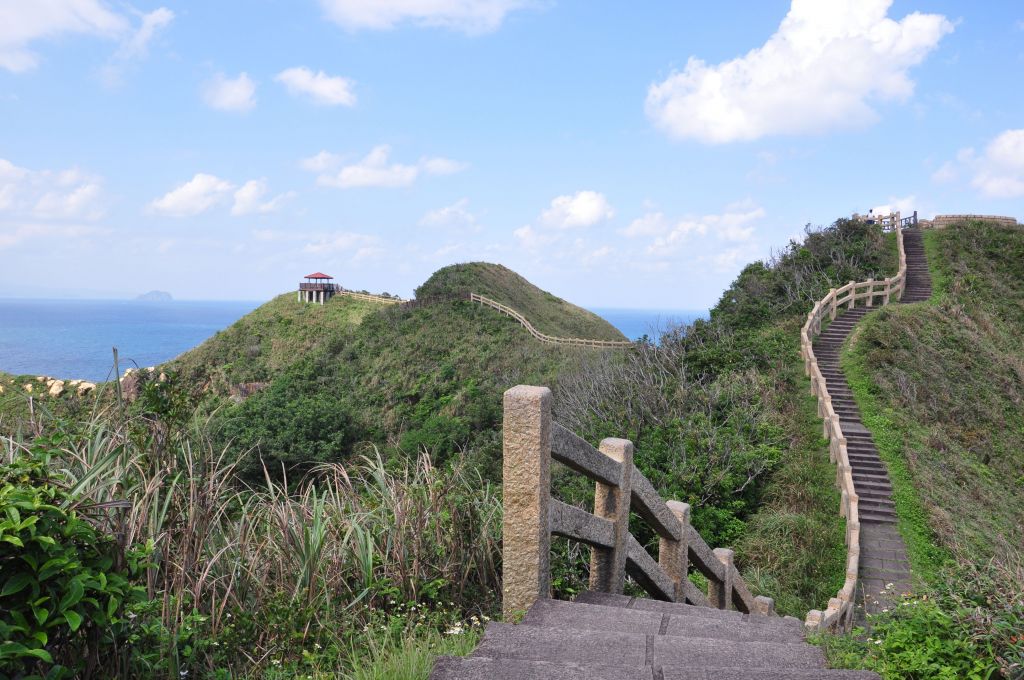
618, 154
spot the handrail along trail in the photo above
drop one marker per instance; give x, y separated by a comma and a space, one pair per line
839, 612
508, 311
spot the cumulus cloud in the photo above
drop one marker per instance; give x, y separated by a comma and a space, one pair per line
904, 205
136, 45
532, 239
996, 172
49, 194
582, 209
820, 71
22, 23
467, 16
320, 87
249, 199
197, 195
454, 215
376, 170
361, 245
230, 94
734, 225
999, 171
321, 162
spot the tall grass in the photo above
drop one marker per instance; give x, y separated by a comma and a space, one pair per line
302, 574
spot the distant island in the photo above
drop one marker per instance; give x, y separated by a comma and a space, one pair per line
155, 296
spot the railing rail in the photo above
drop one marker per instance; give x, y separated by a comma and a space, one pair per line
508, 311
372, 298
838, 615
531, 441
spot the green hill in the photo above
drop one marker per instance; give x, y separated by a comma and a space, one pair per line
331, 379
549, 314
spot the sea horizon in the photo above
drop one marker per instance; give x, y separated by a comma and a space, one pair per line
74, 338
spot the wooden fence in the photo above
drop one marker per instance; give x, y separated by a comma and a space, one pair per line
372, 298
579, 342
531, 441
838, 615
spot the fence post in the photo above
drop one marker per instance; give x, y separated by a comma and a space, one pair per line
871, 293
832, 304
526, 474
720, 594
888, 291
853, 294
673, 556
608, 565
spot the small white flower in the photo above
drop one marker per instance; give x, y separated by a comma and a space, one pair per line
878, 642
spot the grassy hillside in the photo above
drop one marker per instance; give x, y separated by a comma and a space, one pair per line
950, 376
405, 379
270, 339
548, 314
941, 386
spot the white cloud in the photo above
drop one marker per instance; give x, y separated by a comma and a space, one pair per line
11, 236
320, 87
23, 22
467, 16
197, 195
136, 45
734, 225
998, 172
454, 215
820, 71
442, 166
321, 162
49, 194
152, 23
904, 206
649, 224
531, 239
375, 170
249, 199
582, 209
230, 94
334, 242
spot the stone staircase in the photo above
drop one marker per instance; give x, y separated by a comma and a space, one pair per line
601, 636
884, 568
683, 634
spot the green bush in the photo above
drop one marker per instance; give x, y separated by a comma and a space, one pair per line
920, 638
65, 584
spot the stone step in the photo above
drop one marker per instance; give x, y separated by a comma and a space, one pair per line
483, 668
868, 504
873, 493
877, 517
680, 609
503, 641
579, 616
872, 485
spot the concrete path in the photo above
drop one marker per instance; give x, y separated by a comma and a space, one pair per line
614, 637
884, 568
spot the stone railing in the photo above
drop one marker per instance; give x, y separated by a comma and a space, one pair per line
838, 615
579, 342
531, 441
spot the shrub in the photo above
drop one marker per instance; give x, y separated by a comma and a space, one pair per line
64, 581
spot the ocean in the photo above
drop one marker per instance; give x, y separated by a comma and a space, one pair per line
73, 338
636, 323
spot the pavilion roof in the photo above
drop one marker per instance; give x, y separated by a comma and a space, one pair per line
318, 275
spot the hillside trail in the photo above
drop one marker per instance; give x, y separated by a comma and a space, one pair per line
884, 569
608, 636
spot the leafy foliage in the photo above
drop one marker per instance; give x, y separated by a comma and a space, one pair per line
65, 583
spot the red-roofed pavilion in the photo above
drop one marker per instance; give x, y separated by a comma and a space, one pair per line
318, 288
